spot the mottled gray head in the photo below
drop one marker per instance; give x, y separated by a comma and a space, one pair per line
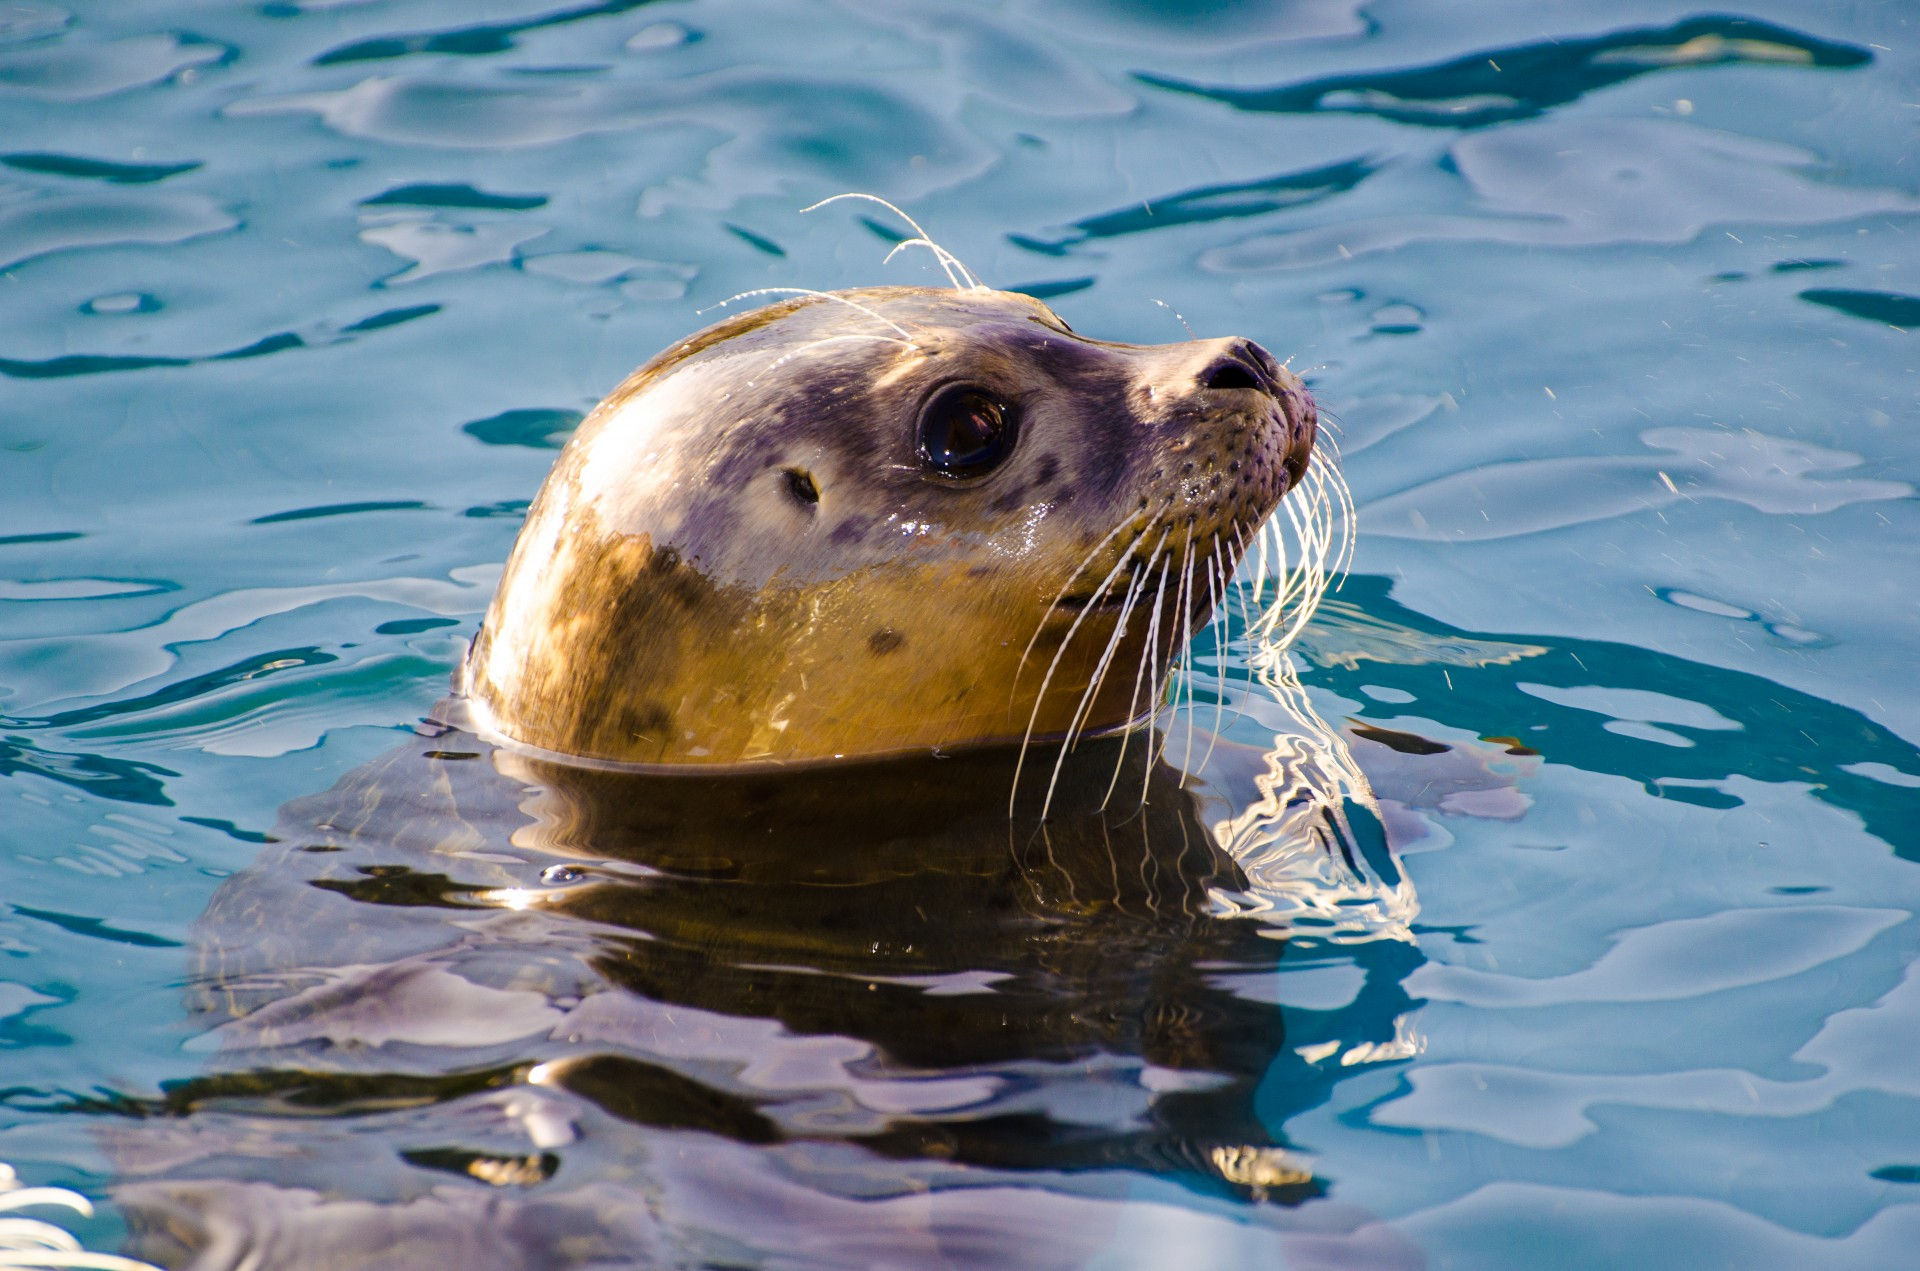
880, 521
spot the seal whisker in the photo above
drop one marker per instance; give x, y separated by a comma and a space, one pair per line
1272, 540
906, 335
948, 261
1349, 516
1184, 635
1248, 619
1176, 635
1220, 624
1189, 563
1067, 586
1176, 317
1312, 571
1154, 687
1040, 697
1094, 683
1260, 565
1146, 656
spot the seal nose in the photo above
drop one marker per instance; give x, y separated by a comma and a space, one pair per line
1243, 364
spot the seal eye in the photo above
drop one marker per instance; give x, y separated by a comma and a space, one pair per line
966, 432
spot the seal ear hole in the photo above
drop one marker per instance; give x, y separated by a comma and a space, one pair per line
801, 485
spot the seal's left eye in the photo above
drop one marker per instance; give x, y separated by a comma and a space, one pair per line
966, 432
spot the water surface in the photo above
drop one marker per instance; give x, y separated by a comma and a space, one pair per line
1615, 314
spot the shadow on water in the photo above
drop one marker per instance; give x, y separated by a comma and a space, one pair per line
467, 964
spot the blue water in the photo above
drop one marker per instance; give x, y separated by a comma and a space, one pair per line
1615, 309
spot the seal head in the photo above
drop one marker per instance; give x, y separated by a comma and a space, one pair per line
877, 522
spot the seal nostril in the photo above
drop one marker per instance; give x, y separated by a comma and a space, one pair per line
800, 485
1229, 373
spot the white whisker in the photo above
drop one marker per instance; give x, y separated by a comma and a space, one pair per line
1177, 318
1094, 682
1218, 620
1154, 688
1040, 697
948, 261
1060, 595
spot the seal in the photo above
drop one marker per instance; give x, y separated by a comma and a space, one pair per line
879, 522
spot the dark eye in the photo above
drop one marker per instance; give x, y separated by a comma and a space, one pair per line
966, 432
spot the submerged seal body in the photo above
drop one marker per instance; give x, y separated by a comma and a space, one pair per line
882, 521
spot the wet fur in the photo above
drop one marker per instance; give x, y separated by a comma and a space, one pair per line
671, 602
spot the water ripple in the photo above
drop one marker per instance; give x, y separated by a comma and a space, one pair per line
1505, 500
1582, 183
37, 227
1687, 957
72, 71
1493, 86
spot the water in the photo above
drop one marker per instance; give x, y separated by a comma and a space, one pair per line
1613, 312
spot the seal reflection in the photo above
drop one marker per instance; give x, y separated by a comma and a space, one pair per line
563, 986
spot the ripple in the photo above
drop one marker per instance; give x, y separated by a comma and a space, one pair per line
121, 302
59, 223
282, 702
759, 242
1570, 1229
539, 429
16, 998
1787, 631
1055, 289
591, 267
1890, 307
853, 135
123, 780
95, 665
1633, 704
339, 509
1001, 63
97, 928
389, 318
468, 41
1493, 86
419, 1005
1583, 183
1668, 961
659, 36
23, 20
73, 364
67, 165
79, 588
1506, 500
1211, 27
454, 196
436, 248
51, 536
1885, 774
1234, 201
72, 72
1864, 1049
